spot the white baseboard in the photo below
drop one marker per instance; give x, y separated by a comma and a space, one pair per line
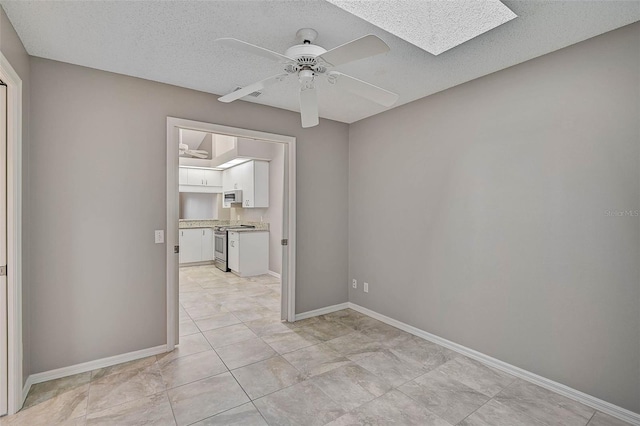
576, 395
26, 389
274, 274
92, 365
322, 311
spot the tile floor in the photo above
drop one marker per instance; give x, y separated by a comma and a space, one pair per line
237, 364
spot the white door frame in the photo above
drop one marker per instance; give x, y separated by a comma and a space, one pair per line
288, 232
14, 234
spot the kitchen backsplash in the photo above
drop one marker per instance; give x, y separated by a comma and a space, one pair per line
204, 223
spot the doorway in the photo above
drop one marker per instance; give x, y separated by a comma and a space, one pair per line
286, 220
11, 382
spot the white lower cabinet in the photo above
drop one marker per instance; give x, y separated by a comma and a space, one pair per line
248, 253
196, 245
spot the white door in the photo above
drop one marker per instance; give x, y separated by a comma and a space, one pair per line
4, 387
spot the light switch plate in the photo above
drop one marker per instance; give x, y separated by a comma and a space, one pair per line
366, 287
159, 234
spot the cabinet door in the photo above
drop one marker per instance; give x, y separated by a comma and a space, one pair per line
246, 179
190, 245
207, 244
195, 177
212, 178
233, 255
182, 176
260, 184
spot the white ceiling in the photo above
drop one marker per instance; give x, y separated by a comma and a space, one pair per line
172, 42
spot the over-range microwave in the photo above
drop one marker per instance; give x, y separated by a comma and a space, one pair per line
234, 196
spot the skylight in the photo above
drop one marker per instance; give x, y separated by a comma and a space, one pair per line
434, 26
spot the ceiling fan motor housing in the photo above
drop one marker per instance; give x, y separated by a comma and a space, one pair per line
306, 57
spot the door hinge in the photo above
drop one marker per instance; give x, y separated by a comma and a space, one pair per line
284, 242
176, 249
3, 271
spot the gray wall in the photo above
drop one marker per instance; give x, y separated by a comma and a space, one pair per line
12, 48
478, 214
97, 278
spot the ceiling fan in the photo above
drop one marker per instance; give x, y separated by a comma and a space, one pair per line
308, 62
198, 153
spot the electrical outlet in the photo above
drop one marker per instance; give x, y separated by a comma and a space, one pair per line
366, 287
159, 236
354, 283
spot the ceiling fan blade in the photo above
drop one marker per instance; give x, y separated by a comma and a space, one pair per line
246, 90
360, 48
363, 89
196, 154
308, 106
252, 48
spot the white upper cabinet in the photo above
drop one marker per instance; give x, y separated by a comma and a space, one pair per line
195, 177
252, 178
200, 180
212, 177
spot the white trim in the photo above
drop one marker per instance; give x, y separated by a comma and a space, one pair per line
27, 387
274, 274
94, 365
289, 232
14, 233
322, 311
576, 395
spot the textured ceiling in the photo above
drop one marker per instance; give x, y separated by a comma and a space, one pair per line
172, 42
434, 26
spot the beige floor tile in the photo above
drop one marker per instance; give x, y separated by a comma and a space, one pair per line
228, 335
601, 419
187, 327
392, 368
244, 353
65, 408
448, 398
266, 326
477, 376
191, 368
129, 385
244, 415
290, 340
326, 330
355, 346
393, 408
351, 386
422, 351
267, 376
205, 398
41, 392
255, 313
125, 366
546, 406
301, 404
150, 410
316, 360
189, 345
219, 320
494, 413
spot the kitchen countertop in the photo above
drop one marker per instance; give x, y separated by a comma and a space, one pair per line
204, 223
